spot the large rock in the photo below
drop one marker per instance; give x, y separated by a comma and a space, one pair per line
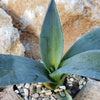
91, 91
9, 44
77, 18
9, 94
9, 36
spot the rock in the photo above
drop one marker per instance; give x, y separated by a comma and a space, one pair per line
35, 95
38, 90
77, 18
27, 85
48, 92
40, 99
9, 36
80, 87
62, 87
25, 98
56, 90
16, 91
8, 94
62, 94
30, 97
21, 90
53, 98
26, 92
33, 99
90, 92
32, 89
46, 98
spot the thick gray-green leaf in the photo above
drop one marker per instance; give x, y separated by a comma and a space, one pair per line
85, 64
90, 41
15, 70
51, 38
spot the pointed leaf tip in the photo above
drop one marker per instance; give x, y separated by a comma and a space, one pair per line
51, 38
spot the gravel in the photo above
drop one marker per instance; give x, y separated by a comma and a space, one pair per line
73, 84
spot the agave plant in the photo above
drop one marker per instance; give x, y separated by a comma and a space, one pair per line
83, 58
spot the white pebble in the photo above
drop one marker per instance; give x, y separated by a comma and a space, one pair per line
30, 97
62, 87
21, 90
71, 79
39, 83
25, 98
84, 82
56, 90
38, 88
80, 87
45, 98
53, 98
40, 99
81, 81
43, 91
26, 92
48, 92
27, 85
62, 93
17, 91
19, 86
35, 95
33, 99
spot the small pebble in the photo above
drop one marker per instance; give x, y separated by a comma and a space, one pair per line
40, 98
84, 82
26, 91
19, 86
80, 87
42, 94
21, 90
62, 87
56, 90
43, 91
33, 99
30, 98
36, 95
71, 79
48, 92
25, 98
62, 94
39, 83
46, 98
23, 94
53, 98
27, 85
32, 89
17, 91
81, 81
38, 88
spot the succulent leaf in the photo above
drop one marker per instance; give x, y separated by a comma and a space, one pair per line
90, 41
16, 70
51, 39
84, 64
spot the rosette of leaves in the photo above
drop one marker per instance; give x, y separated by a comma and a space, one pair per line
83, 58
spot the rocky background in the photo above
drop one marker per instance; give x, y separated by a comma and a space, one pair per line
21, 20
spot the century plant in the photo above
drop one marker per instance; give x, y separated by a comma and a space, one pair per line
83, 58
